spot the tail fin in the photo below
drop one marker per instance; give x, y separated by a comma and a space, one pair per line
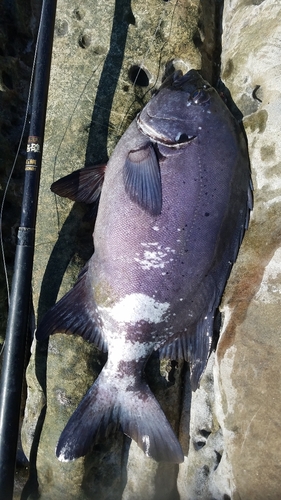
136, 411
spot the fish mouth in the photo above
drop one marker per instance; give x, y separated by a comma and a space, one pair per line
180, 141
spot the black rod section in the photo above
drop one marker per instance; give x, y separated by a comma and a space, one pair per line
16, 334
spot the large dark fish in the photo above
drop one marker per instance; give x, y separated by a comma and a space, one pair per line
174, 205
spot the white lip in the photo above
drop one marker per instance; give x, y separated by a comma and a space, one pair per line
161, 139
147, 130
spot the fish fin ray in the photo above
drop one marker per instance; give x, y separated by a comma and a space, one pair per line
136, 412
143, 180
76, 314
250, 206
201, 344
87, 425
146, 423
82, 185
193, 346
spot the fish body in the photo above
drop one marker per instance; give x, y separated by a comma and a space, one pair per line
173, 208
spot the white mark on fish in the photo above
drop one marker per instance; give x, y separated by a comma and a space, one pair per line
121, 348
146, 442
151, 260
138, 307
64, 451
150, 244
155, 257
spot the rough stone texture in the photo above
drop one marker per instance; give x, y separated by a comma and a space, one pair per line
200, 476
248, 356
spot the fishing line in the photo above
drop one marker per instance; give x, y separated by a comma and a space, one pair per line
141, 65
118, 130
123, 116
64, 134
13, 168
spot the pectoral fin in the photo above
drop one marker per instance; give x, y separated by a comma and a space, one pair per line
143, 180
82, 185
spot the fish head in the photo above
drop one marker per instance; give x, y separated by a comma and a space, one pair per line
177, 113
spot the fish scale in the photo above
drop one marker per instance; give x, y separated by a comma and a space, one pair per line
174, 204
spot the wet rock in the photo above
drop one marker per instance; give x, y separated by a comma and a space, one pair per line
200, 476
248, 355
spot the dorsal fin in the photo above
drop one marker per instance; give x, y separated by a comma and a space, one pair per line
143, 180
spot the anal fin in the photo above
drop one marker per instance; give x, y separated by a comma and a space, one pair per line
194, 346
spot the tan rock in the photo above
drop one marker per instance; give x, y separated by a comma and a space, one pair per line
248, 355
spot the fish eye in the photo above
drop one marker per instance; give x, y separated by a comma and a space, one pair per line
200, 96
182, 138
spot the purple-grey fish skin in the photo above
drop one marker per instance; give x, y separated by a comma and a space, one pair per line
174, 205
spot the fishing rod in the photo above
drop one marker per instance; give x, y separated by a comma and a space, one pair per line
16, 333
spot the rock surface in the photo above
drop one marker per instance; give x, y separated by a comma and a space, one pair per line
107, 58
247, 368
